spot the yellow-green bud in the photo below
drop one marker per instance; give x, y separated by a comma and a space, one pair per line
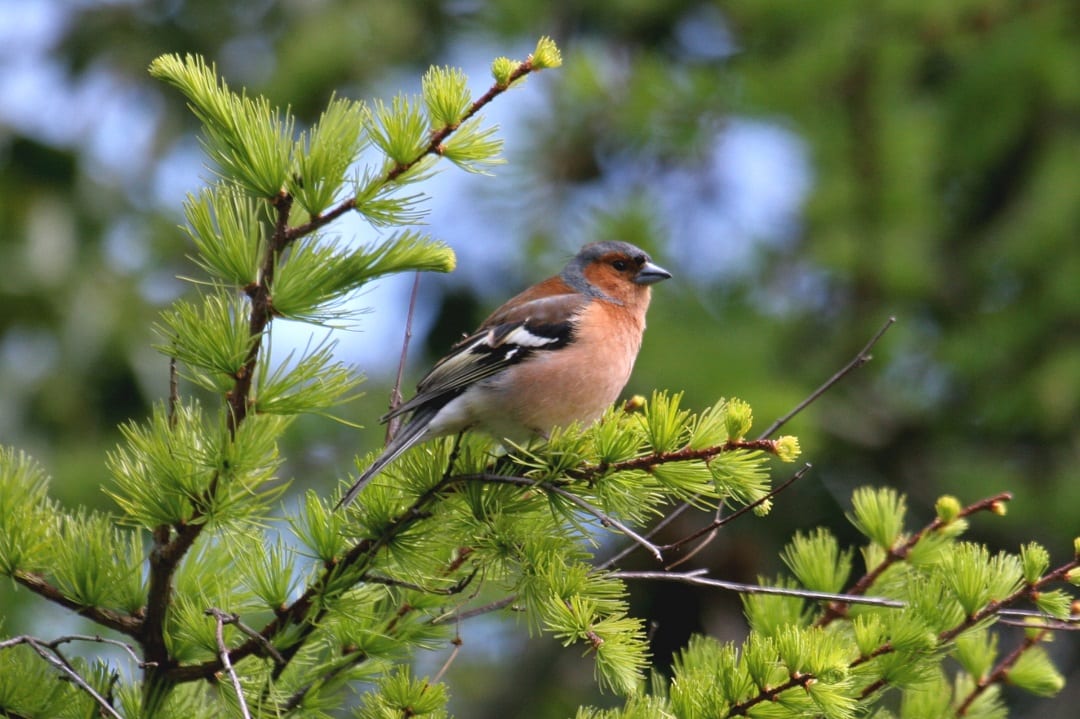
1076, 547
999, 508
738, 419
634, 403
1073, 576
787, 448
501, 69
763, 509
948, 508
546, 55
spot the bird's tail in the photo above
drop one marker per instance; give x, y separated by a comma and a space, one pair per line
408, 435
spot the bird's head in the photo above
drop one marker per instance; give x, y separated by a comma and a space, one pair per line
615, 271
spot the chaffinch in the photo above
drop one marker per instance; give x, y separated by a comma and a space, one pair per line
559, 352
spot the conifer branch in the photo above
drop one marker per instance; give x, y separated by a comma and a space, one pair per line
1000, 673
167, 552
605, 519
123, 623
685, 454
991, 609
900, 552
720, 521
1028, 591
769, 694
262, 311
434, 147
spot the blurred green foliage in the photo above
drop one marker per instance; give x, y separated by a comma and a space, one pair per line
942, 141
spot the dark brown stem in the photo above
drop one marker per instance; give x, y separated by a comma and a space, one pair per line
262, 312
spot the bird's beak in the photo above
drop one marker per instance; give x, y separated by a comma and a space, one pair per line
650, 274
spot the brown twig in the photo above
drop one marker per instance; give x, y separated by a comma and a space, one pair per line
721, 521
456, 642
656, 529
457, 588
174, 391
769, 694
857, 361
395, 394
477, 611
679, 455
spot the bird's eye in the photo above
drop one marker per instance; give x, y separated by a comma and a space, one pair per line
619, 265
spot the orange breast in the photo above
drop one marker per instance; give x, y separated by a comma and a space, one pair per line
573, 384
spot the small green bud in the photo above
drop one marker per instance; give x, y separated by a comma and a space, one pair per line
1073, 576
634, 404
502, 68
1076, 547
999, 508
787, 448
546, 55
948, 508
738, 419
763, 509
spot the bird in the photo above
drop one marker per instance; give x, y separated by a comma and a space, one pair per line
557, 353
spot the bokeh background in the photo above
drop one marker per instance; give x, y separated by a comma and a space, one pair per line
805, 170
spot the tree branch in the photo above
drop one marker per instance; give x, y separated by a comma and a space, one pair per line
123, 623
697, 577
1000, 673
605, 519
711, 528
221, 619
434, 147
395, 394
680, 455
899, 553
856, 362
